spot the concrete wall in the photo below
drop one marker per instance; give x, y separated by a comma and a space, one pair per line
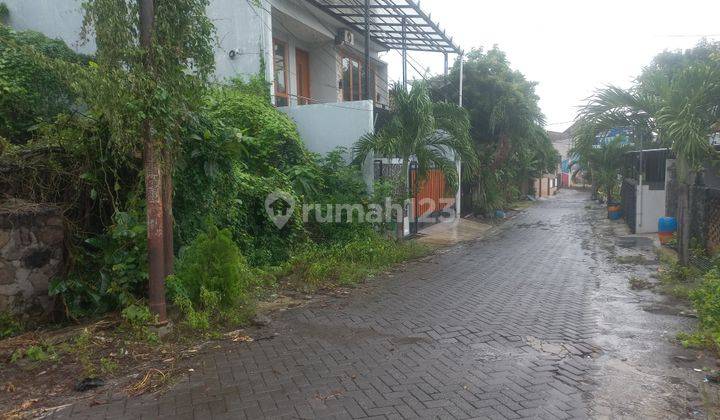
324, 127
545, 186
61, 19
239, 26
650, 207
245, 28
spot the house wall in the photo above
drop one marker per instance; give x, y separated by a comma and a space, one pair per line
323, 127
239, 26
301, 26
245, 28
323, 65
650, 207
61, 19
541, 186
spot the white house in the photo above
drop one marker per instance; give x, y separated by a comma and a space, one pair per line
321, 55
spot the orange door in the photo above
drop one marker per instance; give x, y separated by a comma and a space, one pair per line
430, 196
302, 59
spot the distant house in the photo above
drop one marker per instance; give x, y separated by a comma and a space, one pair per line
562, 141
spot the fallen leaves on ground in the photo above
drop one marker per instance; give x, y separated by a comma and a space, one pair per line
153, 379
239, 336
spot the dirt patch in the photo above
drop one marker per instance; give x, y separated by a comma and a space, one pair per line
121, 363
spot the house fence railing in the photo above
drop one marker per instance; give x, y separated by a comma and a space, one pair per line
712, 225
705, 217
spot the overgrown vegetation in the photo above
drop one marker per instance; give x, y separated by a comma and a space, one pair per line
34, 354
239, 150
506, 130
348, 262
33, 89
699, 284
9, 325
706, 301
233, 149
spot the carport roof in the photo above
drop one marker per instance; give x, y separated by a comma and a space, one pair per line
389, 21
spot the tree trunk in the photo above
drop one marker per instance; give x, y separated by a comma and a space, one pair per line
594, 188
684, 177
168, 219
153, 182
502, 152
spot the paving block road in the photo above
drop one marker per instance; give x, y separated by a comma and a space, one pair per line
499, 328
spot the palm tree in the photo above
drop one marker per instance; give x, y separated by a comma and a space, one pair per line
682, 108
421, 130
608, 160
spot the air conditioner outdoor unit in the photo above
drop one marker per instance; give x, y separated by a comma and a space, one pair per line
345, 37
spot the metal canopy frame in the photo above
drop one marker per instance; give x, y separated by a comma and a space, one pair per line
393, 24
398, 25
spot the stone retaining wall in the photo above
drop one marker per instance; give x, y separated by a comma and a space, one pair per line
31, 253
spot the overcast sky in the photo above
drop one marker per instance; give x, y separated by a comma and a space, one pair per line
569, 47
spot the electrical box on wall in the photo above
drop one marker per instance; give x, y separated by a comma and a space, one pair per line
344, 37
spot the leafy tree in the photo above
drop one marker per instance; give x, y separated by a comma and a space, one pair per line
423, 130
33, 88
677, 98
153, 62
506, 127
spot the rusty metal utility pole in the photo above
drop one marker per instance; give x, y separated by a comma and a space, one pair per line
153, 182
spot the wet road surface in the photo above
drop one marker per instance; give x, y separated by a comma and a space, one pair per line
526, 323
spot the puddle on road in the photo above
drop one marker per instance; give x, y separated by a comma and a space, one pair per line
636, 242
545, 347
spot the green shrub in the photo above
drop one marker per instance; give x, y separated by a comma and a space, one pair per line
339, 183
112, 269
137, 319
35, 353
706, 300
137, 315
32, 87
9, 325
273, 140
212, 279
108, 366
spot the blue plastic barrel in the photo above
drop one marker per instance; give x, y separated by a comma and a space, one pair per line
615, 215
667, 224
